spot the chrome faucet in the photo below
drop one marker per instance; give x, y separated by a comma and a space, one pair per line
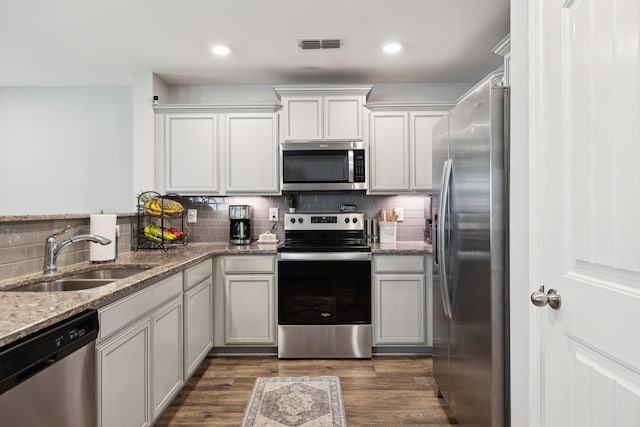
53, 248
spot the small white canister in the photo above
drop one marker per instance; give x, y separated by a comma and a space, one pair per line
387, 231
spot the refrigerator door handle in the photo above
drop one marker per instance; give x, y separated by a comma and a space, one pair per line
444, 202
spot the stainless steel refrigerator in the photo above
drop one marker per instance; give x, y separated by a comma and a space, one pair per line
470, 313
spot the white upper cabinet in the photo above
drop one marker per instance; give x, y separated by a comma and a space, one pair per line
215, 150
251, 146
400, 142
343, 117
420, 143
389, 151
322, 113
190, 154
302, 117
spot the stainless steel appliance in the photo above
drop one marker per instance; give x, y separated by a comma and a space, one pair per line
239, 224
324, 287
49, 378
470, 312
323, 166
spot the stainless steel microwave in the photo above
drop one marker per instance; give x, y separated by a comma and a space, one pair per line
323, 166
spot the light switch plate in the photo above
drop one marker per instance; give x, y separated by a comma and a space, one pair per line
400, 212
273, 214
192, 215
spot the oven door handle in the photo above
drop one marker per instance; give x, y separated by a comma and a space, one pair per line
324, 256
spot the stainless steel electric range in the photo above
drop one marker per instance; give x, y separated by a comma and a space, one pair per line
324, 287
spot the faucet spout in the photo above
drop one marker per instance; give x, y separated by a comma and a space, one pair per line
53, 248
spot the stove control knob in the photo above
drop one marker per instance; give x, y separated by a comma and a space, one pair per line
346, 220
293, 220
300, 220
355, 220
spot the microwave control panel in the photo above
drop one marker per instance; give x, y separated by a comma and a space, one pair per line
358, 166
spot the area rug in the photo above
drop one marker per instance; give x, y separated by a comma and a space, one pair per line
295, 401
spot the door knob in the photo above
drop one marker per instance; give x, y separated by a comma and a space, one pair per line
552, 297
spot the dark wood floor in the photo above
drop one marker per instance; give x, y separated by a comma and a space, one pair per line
384, 391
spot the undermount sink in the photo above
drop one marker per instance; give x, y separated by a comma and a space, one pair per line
81, 281
63, 285
110, 273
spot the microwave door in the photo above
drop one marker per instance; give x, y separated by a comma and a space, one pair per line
316, 166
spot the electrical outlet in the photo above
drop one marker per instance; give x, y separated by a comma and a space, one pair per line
192, 215
400, 213
273, 214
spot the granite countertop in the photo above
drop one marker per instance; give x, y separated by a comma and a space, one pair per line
402, 247
27, 312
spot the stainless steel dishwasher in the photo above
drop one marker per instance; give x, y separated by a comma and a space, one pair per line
49, 377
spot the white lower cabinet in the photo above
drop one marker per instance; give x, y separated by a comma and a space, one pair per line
123, 378
245, 301
249, 309
198, 325
401, 301
166, 356
399, 309
140, 351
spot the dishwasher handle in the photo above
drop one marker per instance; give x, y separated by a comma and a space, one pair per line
34, 369
26, 357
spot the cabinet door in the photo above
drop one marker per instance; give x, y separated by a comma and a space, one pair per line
420, 134
399, 309
389, 152
166, 357
302, 118
429, 300
249, 310
252, 153
123, 378
190, 154
198, 325
343, 117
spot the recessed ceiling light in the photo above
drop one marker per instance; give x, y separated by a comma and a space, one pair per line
221, 50
392, 47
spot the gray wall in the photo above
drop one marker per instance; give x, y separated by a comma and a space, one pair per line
65, 150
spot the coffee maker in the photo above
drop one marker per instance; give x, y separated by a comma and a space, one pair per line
239, 225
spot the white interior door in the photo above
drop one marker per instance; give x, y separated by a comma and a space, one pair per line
589, 129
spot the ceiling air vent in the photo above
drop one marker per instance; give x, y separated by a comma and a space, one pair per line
309, 44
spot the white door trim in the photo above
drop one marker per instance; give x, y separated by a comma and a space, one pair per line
536, 337
526, 326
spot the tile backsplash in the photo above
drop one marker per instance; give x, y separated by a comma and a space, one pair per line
213, 212
22, 242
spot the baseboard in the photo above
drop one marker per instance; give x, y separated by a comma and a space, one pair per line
402, 351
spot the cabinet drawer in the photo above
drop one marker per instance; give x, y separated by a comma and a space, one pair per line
197, 273
399, 263
122, 312
249, 264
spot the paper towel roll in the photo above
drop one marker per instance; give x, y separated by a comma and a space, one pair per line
103, 225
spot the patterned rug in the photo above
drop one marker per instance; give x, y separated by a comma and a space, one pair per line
295, 401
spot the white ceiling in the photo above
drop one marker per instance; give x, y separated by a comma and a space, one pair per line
102, 42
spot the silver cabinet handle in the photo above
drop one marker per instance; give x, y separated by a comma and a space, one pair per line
552, 297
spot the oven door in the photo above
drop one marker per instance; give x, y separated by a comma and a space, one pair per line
324, 305
324, 288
